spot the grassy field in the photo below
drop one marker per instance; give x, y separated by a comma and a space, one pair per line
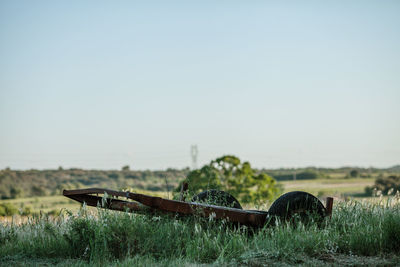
54, 204
359, 233
338, 187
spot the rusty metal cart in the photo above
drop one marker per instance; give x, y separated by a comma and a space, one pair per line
296, 202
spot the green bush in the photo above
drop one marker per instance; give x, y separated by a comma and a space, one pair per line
300, 175
229, 174
7, 209
307, 175
354, 173
27, 211
385, 185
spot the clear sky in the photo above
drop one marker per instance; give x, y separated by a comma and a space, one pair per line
102, 84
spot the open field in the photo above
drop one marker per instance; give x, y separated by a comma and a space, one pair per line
53, 204
334, 187
44, 204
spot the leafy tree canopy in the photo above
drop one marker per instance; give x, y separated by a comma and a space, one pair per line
229, 174
387, 185
354, 173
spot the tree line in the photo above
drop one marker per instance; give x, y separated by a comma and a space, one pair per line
30, 183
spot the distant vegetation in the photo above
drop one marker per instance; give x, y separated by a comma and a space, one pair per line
31, 183
16, 184
317, 173
385, 186
229, 174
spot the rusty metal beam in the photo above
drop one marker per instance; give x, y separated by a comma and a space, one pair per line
252, 218
144, 204
329, 206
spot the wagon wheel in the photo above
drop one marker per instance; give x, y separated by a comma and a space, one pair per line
218, 198
298, 203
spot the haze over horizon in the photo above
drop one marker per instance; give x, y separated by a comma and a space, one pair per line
100, 85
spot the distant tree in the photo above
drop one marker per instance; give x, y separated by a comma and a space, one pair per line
354, 173
15, 192
113, 175
227, 173
385, 185
38, 190
125, 168
307, 175
7, 209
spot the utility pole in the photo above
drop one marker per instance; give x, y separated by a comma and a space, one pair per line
194, 152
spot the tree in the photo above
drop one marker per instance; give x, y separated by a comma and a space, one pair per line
227, 173
354, 173
387, 185
15, 192
125, 168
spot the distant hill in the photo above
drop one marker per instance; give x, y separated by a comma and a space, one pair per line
395, 169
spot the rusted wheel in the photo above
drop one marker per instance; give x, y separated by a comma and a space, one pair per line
300, 204
218, 198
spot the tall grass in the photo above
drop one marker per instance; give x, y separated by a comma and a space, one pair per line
356, 228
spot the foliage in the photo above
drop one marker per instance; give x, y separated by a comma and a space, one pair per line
307, 175
229, 174
125, 168
104, 237
301, 174
29, 183
7, 209
385, 185
354, 173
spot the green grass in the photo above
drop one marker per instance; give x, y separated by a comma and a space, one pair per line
330, 187
55, 204
358, 233
44, 204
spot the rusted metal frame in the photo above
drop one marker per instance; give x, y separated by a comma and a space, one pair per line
114, 204
329, 206
95, 191
253, 218
247, 217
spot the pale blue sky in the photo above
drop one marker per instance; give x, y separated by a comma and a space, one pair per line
102, 84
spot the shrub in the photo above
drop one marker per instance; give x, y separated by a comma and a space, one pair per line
229, 174
7, 209
354, 173
307, 175
386, 185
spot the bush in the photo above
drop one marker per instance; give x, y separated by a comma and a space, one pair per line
27, 211
7, 209
227, 173
302, 175
386, 185
307, 175
354, 173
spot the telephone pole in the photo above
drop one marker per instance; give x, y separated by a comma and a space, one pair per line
194, 152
